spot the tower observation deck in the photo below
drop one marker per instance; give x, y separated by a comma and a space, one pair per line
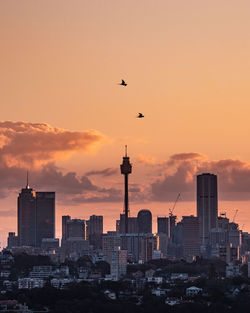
126, 169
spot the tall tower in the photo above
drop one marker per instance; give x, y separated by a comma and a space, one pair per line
207, 205
126, 169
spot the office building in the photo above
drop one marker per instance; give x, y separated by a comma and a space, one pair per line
118, 267
95, 231
109, 242
132, 225
191, 240
162, 225
207, 205
45, 216
144, 219
36, 216
12, 240
75, 228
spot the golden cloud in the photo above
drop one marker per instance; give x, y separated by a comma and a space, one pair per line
24, 143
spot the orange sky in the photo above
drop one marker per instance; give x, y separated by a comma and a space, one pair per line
188, 70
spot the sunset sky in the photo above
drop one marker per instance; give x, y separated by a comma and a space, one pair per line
66, 120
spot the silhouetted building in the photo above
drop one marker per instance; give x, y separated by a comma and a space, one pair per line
191, 240
144, 219
162, 225
75, 228
132, 225
65, 218
95, 231
12, 240
207, 205
27, 217
36, 216
45, 216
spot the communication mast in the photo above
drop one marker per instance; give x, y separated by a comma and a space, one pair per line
126, 169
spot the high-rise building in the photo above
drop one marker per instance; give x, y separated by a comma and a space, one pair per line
95, 231
45, 216
36, 216
132, 225
75, 228
27, 217
144, 219
162, 225
65, 218
191, 240
207, 205
118, 266
109, 242
140, 247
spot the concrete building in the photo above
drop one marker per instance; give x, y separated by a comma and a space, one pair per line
118, 263
109, 242
140, 247
207, 205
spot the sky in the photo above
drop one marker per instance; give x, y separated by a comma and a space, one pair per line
65, 119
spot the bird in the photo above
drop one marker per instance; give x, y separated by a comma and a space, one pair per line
123, 83
140, 115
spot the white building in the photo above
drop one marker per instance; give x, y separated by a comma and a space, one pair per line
30, 283
193, 291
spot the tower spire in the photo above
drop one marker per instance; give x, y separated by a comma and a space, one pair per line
27, 185
126, 169
126, 151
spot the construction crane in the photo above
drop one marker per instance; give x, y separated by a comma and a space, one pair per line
236, 211
172, 210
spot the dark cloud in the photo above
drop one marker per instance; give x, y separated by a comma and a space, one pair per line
233, 178
106, 172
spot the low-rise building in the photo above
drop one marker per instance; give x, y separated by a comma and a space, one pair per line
193, 291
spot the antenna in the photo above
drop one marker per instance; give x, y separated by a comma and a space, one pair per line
126, 151
27, 185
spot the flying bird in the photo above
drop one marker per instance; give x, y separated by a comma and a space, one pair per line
123, 83
140, 115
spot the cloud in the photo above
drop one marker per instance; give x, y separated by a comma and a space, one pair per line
233, 178
29, 144
105, 172
147, 160
8, 213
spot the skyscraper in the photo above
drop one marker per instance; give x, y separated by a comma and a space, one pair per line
132, 225
207, 205
162, 225
26, 203
65, 218
45, 216
95, 231
36, 216
144, 219
191, 240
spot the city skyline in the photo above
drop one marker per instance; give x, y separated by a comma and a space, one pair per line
186, 66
